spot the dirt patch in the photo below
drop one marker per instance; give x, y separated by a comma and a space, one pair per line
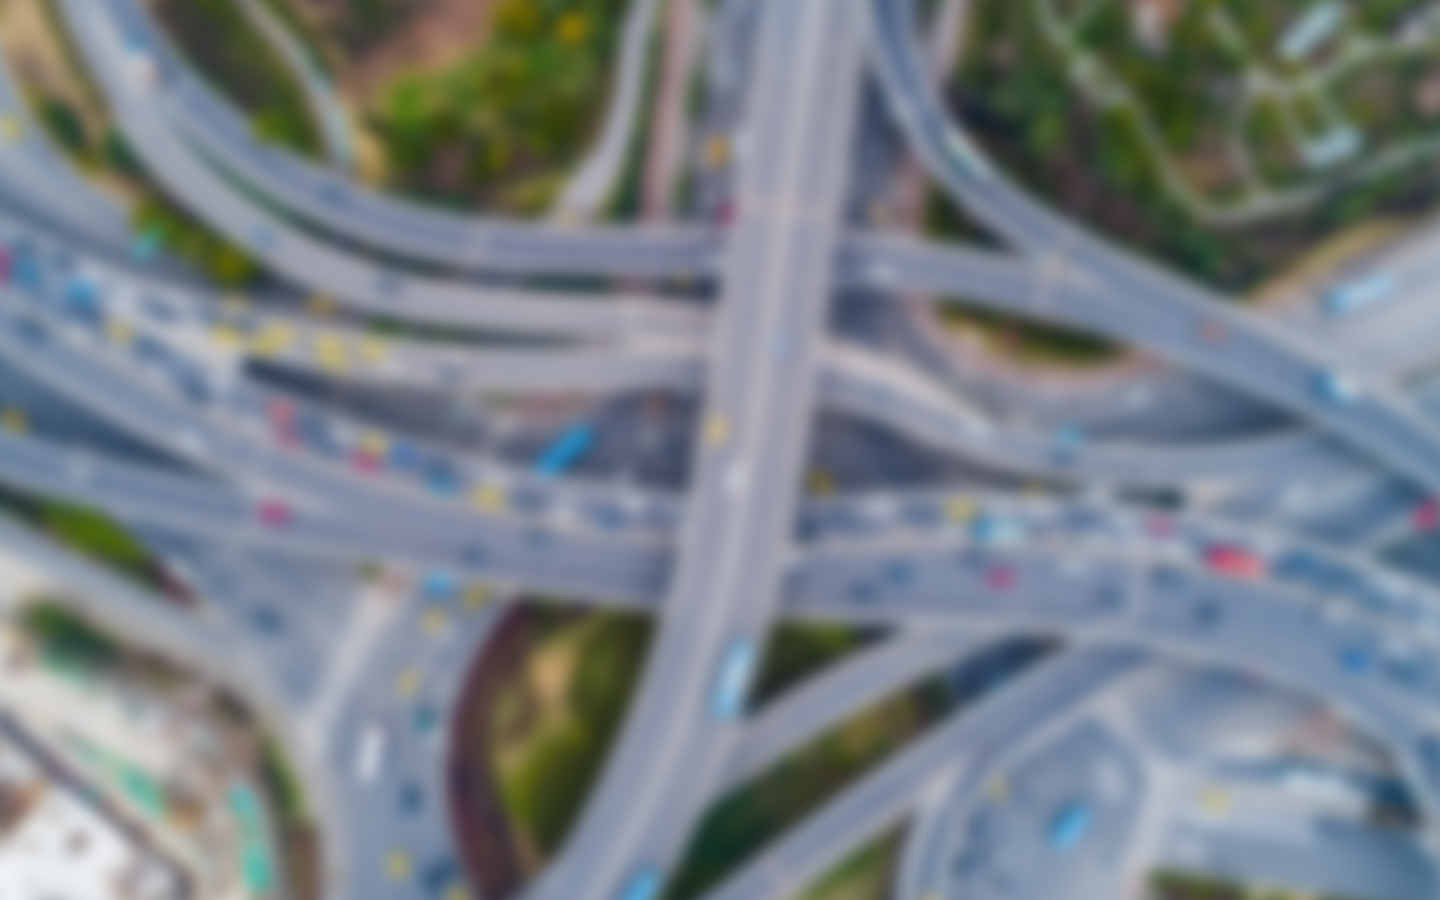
42, 64
38, 60
393, 36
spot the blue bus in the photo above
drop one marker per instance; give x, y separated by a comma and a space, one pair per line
643, 885
732, 682
566, 450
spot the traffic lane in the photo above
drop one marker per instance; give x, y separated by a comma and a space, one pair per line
339, 202
1063, 819
408, 692
1331, 857
1356, 663
360, 282
959, 748
180, 424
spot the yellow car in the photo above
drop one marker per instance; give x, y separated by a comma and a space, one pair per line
374, 350
488, 498
960, 509
717, 151
717, 430
227, 336
398, 865
273, 338
14, 420
331, 354
477, 596
407, 683
434, 621
119, 332
11, 128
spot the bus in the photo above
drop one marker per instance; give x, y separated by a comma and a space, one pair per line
566, 450
643, 885
732, 683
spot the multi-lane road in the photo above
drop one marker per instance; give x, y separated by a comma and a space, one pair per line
264, 499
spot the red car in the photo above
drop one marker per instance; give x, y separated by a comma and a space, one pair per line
1427, 515
365, 461
1234, 562
1001, 578
1158, 526
275, 513
280, 412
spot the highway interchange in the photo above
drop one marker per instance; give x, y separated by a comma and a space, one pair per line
254, 444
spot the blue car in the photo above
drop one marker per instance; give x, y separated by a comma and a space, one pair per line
440, 585
1069, 825
1333, 388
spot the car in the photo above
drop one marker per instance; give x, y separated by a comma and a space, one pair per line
732, 681
997, 531
192, 384
404, 456
565, 451
1001, 577
900, 572
425, 718
1426, 516
146, 245
1233, 561
606, 515
157, 310
644, 884
364, 461
410, 797
262, 238
32, 331
1207, 613
440, 584
1069, 825
1355, 658
1349, 296
82, 301
717, 429
1333, 388
717, 152
25, 269
1212, 331
1159, 526
398, 865
370, 753
274, 513
1069, 437
14, 420
141, 71
268, 621
439, 875
922, 514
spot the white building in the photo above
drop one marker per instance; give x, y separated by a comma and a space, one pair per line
54, 844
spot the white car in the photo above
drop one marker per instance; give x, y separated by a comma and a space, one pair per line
370, 753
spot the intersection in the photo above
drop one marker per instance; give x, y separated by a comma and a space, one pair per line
269, 492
